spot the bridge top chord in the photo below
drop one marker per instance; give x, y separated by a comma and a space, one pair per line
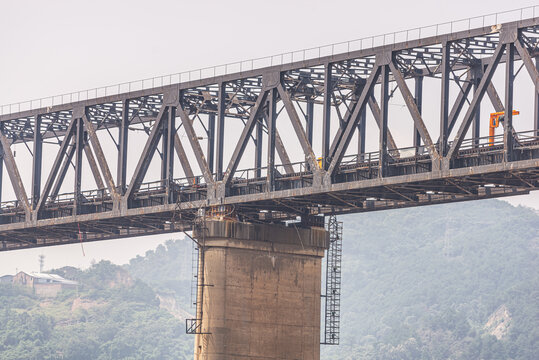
241, 66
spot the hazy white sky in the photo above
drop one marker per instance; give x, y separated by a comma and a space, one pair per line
52, 47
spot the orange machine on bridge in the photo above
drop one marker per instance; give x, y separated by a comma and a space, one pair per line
495, 119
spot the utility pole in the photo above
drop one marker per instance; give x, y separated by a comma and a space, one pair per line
41, 262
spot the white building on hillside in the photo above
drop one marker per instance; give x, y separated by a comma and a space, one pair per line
48, 285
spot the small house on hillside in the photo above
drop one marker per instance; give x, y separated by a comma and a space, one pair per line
47, 285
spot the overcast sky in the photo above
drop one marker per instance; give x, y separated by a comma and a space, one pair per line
53, 47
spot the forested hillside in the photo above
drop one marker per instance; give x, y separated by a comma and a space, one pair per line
456, 281
112, 316
168, 269
422, 283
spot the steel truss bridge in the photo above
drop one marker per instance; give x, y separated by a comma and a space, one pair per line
268, 174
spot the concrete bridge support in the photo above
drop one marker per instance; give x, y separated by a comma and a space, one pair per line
260, 292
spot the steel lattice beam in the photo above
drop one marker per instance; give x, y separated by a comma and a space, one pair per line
306, 113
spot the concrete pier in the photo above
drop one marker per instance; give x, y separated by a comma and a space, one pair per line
260, 292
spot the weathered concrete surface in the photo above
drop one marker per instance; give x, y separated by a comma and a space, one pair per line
262, 293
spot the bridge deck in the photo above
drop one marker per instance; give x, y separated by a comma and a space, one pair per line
357, 189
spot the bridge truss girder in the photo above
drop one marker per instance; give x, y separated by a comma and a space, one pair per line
330, 96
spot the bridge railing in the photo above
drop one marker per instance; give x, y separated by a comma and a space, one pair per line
526, 136
9, 205
87, 195
251, 173
525, 139
278, 59
482, 141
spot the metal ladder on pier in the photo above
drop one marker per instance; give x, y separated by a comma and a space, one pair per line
332, 319
194, 274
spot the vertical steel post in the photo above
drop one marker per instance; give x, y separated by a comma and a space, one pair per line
444, 108
169, 134
361, 127
258, 148
272, 117
37, 162
326, 121
211, 141
79, 147
164, 149
361, 124
310, 120
123, 130
418, 95
508, 116
384, 102
309, 127
477, 73
221, 106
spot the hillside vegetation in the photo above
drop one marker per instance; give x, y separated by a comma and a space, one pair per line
423, 283
112, 316
455, 281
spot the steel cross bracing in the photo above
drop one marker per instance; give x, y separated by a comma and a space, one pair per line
278, 143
